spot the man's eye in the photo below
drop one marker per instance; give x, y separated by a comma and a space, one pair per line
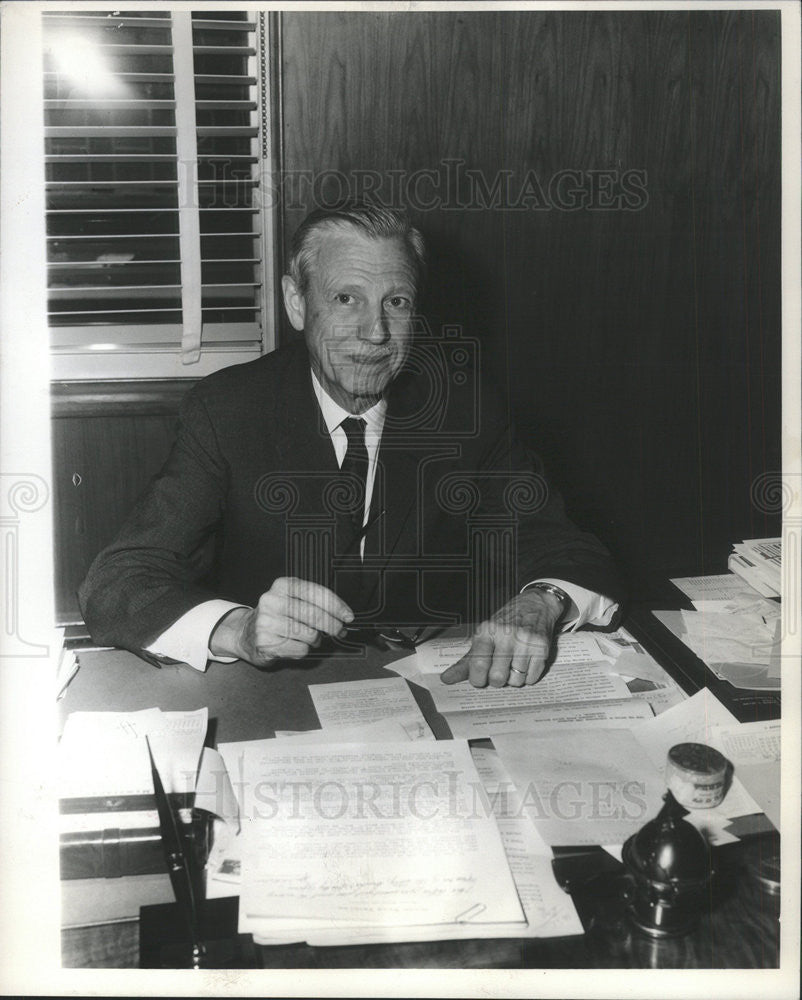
344, 298
399, 302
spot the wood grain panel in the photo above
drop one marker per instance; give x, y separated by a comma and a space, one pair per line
108, 440
640, 348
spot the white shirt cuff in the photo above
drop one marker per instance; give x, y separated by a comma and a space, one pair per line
188, 638
592, 608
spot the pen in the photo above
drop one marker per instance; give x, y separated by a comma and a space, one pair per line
177, 861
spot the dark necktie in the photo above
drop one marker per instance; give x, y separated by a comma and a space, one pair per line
355, 467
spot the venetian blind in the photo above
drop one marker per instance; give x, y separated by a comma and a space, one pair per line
152, 138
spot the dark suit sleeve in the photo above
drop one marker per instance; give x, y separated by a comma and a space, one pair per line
147, 578
549, 543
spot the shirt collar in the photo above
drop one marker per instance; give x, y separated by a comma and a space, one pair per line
334, 414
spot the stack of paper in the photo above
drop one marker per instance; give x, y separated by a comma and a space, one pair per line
736, 632
758, 561
595, 679
347, 843
108, 821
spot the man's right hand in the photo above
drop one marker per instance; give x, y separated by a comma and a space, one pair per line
289, 620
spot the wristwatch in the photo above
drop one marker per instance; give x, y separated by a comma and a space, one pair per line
557, 592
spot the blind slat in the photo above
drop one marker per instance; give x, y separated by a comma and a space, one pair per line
224, 131
117, 236
123, 49
224, 50
222, 25
108, 131
109, 185
224, 80
105, 21
111, 103
80, 265
225, 105
111, 158
125, 77
109, 292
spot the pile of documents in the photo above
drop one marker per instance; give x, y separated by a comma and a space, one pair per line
594, 679
733, 629
758, 561
366, 830
108, 817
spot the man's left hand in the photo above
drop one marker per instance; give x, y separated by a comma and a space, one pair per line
513, 646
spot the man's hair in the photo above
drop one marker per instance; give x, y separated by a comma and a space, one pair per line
373, 220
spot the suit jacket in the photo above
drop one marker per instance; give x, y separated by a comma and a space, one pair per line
251, 492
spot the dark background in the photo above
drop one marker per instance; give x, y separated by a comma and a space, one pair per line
640, 347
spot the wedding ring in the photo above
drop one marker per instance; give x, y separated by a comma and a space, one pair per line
517, 671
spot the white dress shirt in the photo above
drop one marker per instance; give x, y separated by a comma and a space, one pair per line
187, 639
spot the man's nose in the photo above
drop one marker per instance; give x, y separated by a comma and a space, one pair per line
376, 327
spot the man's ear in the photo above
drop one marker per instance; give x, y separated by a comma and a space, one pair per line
294, 302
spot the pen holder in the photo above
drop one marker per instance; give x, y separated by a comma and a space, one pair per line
171, 937
163, 943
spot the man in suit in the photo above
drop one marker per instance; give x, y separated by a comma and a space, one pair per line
365, 475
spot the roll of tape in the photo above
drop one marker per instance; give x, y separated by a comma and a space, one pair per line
696, 775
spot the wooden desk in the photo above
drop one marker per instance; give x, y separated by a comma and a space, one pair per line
739, 930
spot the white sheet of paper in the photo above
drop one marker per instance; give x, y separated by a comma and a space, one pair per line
754, 749
350, 703
692, 721
105, 753
742, 604
368, 835
381, 731
722, 587
437, 655
591, 786
565, 684
749, 742
614, 714
407, 667
661, 699
752, 666
177, 745
718, 637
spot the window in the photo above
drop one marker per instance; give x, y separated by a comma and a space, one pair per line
154, 141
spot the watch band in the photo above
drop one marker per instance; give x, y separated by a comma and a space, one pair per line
557, 592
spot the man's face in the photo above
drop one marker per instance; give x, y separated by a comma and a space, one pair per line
356, 314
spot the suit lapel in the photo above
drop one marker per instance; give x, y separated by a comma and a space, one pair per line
303, 443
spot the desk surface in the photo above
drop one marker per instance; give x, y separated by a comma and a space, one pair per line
739, 930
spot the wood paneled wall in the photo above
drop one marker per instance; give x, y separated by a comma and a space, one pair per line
639, 339
108, 439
